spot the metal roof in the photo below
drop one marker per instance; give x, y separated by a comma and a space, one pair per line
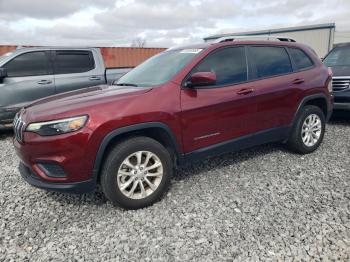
274, 31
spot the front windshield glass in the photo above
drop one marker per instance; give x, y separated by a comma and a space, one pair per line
338, 57
159, 69
5, 55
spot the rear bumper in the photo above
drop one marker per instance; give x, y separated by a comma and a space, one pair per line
77, 188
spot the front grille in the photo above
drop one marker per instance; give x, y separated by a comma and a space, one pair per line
341, 83
18, 127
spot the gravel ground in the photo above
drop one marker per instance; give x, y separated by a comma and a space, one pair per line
260, 204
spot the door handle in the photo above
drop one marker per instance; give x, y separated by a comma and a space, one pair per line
298, 81
44, 82
94, 78
245, 91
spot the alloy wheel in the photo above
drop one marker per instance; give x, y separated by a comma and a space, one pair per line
311, 130
140, 174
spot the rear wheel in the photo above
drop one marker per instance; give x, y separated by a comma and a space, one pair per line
136, 173
308, 131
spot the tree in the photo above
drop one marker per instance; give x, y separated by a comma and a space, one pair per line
138, 42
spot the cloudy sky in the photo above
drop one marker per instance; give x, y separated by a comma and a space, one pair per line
162, 23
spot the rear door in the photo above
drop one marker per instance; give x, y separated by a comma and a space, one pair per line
221, 112
274, 85
29, 78
75, 69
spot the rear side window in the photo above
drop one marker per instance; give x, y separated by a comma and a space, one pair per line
301, 60
29, 64
69, 62
270, 61
228, 64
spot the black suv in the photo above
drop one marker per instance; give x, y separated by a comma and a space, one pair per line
339, 60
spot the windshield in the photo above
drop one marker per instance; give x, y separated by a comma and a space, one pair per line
159, 69
338, 57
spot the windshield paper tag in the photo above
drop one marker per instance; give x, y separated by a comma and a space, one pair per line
191, 51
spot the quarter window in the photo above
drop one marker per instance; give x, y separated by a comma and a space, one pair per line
300, 59
270, 61
228, 64
28, 64
69, 62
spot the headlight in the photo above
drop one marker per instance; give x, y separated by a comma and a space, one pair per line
330, 86
57, 127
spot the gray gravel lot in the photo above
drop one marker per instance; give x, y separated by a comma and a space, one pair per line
260, 204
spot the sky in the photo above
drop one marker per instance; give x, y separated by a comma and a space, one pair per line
162, 23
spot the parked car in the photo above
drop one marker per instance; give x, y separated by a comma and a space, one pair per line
28, 74
183, 105
339, 60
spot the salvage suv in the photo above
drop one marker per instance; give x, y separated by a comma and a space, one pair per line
182, 105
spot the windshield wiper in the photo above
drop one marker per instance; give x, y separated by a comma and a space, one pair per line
126, 84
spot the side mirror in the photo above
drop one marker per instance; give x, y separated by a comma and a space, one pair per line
201, 79
3, 73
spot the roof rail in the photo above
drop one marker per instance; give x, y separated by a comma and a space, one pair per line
244, 38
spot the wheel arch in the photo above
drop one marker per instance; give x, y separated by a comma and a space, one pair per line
156, 130
319, 100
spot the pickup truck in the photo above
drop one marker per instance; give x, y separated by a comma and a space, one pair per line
28, 74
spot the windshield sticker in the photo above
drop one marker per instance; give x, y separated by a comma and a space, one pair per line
191, 51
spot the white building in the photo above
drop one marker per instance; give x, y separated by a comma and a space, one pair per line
320, 37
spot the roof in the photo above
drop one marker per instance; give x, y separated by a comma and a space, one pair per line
240, 42
342, 44
275, 31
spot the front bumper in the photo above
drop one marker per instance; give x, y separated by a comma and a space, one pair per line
6, 117
342, 100
77, 188
341, 106
61, 163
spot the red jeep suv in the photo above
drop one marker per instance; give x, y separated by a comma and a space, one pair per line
182, 105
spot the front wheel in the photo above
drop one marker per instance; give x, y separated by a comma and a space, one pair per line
308, 131
136, 173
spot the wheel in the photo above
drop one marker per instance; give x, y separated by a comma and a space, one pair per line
308, 131
136, 173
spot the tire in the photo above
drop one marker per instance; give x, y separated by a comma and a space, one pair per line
122, 164
296, 142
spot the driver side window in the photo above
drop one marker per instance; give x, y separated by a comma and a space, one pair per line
28, 64
229, 65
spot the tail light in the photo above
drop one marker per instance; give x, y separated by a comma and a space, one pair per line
330, 82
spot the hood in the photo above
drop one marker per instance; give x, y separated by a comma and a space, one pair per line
341, 70
73, 102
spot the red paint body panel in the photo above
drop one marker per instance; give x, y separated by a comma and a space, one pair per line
197, 118
211, 116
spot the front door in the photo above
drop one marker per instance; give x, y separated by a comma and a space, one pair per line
224, 111
29, 78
